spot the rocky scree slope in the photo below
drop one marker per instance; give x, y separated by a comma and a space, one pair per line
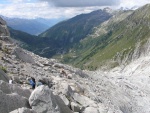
121, 90
59, 95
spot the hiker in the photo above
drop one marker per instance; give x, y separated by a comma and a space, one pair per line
32, 82
63, 72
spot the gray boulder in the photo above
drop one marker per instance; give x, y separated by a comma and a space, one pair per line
75, 107
10, 102
3, 76
47, 81
23, 110
13, 88
42, 100
22, 55
83, 100
91, 110
65, 89
16, 79
66, 101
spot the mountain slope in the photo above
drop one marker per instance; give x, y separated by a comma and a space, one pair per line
32, 43
69, 32
119, 43
88, 91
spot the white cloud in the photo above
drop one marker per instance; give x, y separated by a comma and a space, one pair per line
34, 9
41, 9
132, 3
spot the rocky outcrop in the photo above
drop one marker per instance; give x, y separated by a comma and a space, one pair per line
3, 29
3, 76
14, 88
42, 100
22, 55
10, 102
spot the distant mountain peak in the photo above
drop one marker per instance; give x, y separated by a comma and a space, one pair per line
108, 10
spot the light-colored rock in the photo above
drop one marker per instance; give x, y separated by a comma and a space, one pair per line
75, 107
83, 100
65, 89
69, 76
79, 88
23, 110
58, 65
66, 101
91, 110
42, 100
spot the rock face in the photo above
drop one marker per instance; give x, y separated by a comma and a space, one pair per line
3, 28
3, 76
10, 102
13, 88
42, 100
24, 56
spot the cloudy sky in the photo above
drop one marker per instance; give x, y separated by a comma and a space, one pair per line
60, 8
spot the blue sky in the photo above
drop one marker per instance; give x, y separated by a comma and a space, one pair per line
60, 8
4, 2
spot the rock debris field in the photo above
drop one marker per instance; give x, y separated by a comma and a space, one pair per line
125, 89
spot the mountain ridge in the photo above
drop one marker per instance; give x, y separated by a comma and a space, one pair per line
69, 32
116, 39
123, 38
78, 91
31, 26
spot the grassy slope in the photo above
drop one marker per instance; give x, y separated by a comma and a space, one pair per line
67, 33
119, 38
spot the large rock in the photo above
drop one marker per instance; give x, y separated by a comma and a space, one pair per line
22, 55
2, 22
75, 107
66, 101
23, 110
47, 81
91, 110
64, 88
10, 102
3, 76
83, 100
13, 88
16, 79
42, 100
